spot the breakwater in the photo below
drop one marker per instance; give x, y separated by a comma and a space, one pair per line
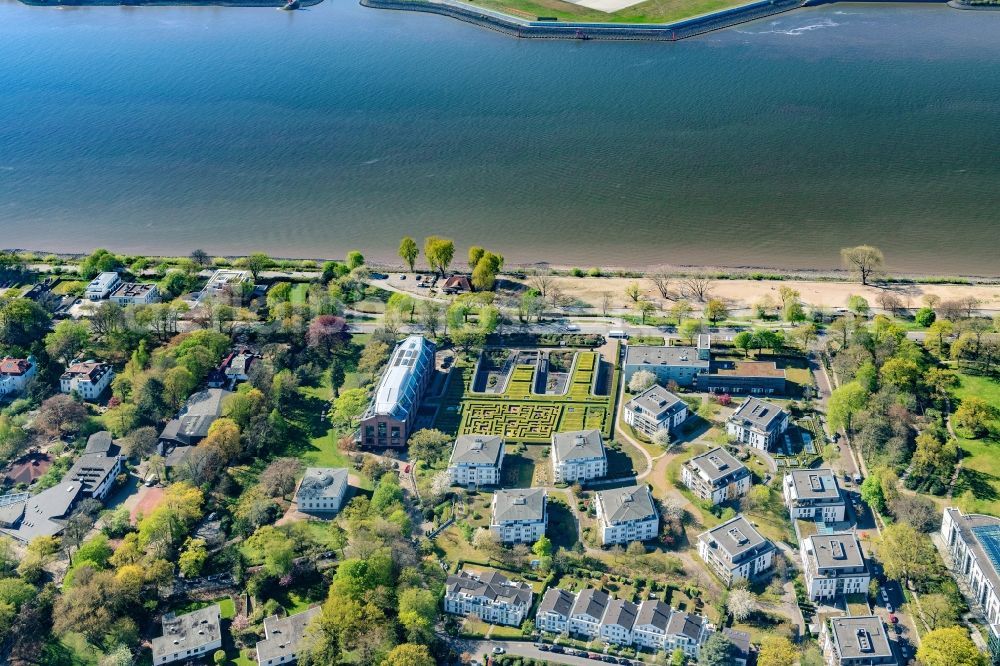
515, 27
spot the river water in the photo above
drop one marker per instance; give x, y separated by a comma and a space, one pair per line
309, 133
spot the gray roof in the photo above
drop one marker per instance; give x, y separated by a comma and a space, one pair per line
578, 445
685, 624
12, 508
624, 504
664, 356
968, 525
99, 442
621, 612
591, 602
836, 551
188, 631
43, 511
490, 584
758, 414
740, 639
558, 601
323, 482
861, 637
398, 389
519, 505
737, 537
283, 634
657, 401
194, 420
653, 612
477, 450
92, 469
717, 464
814, 484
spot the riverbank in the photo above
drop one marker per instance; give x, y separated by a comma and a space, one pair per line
166, 3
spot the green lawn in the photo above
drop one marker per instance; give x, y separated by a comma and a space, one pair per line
651, 11
978, 486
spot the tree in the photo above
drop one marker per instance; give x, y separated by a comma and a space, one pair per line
257, 263
845, 402
387, 494
278, 478
200, 258
975, 414
429, 445
718, 650
417, 613
193, 558
690, 329
916, 510
864, 261
680, 311
22, 322
677, 657
439, 252
67, 339
140, 443
924, 317
542, 547
633, 291
475, 254
640, 381
902, 373
949, 646
777, 651
697, 286
662, 437
354, 259
745, 340
715, 310
99, 261
60, 415
408, 251
858, 305
349, 406
937, 611
430, 317
409, 654
326, 333
905, 553
741, 604
661, 280
484, 273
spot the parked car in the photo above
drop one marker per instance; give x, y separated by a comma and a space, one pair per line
498, 650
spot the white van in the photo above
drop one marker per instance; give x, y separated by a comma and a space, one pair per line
618, 335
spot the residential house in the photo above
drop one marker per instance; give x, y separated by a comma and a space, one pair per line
973, 544
627, 514
588, 612
283, 637
618, 621
554, 610
680, 365
102, 286
189, 636
191, 424
578, 456
857, 641
651, 622
735, 550
687, 632
519, 515
389, 419
741, 644
814, 493
834, 565
489, 595
224, 283
135, 293
655, 409
322, 490
476, 460
757, 423
234, 368
15, 373
87, 378
716, 476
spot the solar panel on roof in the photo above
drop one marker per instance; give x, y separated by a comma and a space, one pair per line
989, 538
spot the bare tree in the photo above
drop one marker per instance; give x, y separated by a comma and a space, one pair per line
697, 286
864, 261
605, 302
661, 280
543, 283
890, 302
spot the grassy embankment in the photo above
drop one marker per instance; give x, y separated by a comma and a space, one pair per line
651, 11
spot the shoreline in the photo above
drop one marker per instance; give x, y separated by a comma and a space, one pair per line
258, 4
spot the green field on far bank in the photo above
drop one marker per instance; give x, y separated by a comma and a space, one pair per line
651, 11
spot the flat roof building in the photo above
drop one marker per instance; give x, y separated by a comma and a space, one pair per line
858, 641
102, 286
973, 544
833, 565
680, 365
283, 637
135, 293
389, 419
189, 636
814, 493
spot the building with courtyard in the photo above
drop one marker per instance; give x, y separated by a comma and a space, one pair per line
578, 456
389, 419
680, 365
519, 515
476, 460
857, 641
757, 423
814, 494
588, 612
322, 490
283, 637
716, 476
735, 550
627, 514
554, 610
655, 409
489, 595
973, 544
833, 565
88, 379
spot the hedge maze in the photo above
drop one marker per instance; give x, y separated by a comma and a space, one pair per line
521, 416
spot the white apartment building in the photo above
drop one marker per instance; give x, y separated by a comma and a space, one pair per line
187, 637
476, 460
102, 286
627, 514
578, 457
15, 373
857, 641
519, 515
834, 565
716, 476
814, 493
735, 550
757, 423
88, 379
489, 595
619, 619
588, 612
655, 409
973, 542
554, 610
322, 490
135, 293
